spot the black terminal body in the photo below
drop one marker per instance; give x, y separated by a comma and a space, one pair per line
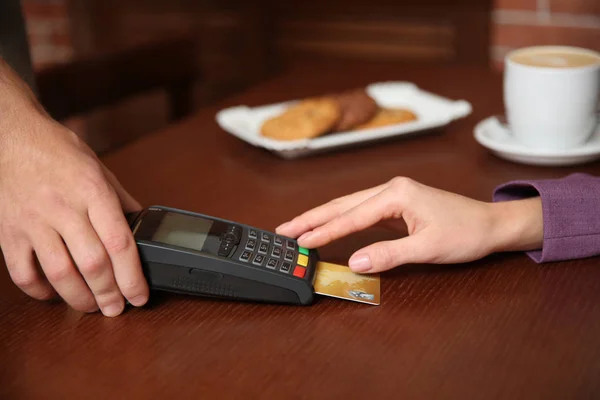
191, 253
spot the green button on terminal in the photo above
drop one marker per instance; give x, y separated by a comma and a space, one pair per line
302, 250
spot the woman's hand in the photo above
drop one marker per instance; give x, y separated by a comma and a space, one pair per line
443, 227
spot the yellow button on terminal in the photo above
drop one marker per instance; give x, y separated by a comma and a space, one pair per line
302, 260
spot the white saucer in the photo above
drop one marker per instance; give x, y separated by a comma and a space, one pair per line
496, 136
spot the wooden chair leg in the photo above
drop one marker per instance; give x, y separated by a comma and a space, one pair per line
181, 99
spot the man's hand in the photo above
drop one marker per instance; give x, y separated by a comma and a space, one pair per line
62, 223
443, 227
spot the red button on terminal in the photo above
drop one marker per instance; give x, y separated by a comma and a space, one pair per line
299, 271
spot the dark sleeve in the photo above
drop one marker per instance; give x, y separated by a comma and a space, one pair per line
571, 214
14, 47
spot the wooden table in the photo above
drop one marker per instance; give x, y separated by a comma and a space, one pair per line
500, 327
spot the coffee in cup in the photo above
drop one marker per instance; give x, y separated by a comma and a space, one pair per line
551, 95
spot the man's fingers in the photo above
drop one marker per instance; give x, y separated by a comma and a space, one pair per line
94, 264
21, 263
325, 213
128, 203
386, 255
364, 215
110, 224
60, 271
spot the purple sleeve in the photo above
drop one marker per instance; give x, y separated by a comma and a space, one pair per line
571, 212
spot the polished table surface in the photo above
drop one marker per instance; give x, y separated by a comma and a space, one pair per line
501, 327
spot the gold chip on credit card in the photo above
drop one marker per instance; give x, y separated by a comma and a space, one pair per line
339, 281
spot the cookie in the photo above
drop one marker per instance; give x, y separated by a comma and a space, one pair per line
356, 107
306, 120
388, 116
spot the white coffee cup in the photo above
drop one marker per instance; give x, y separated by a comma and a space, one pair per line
551, 95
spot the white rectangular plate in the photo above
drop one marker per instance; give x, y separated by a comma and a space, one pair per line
432, 111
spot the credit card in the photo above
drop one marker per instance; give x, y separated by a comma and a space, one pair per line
339, 281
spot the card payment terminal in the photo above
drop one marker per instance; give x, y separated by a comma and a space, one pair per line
196, 254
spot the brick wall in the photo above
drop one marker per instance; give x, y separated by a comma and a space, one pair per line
48, 29
518, 23
515, 23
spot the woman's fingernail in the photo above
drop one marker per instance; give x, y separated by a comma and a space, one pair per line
282, 226
306, 236
360, 263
